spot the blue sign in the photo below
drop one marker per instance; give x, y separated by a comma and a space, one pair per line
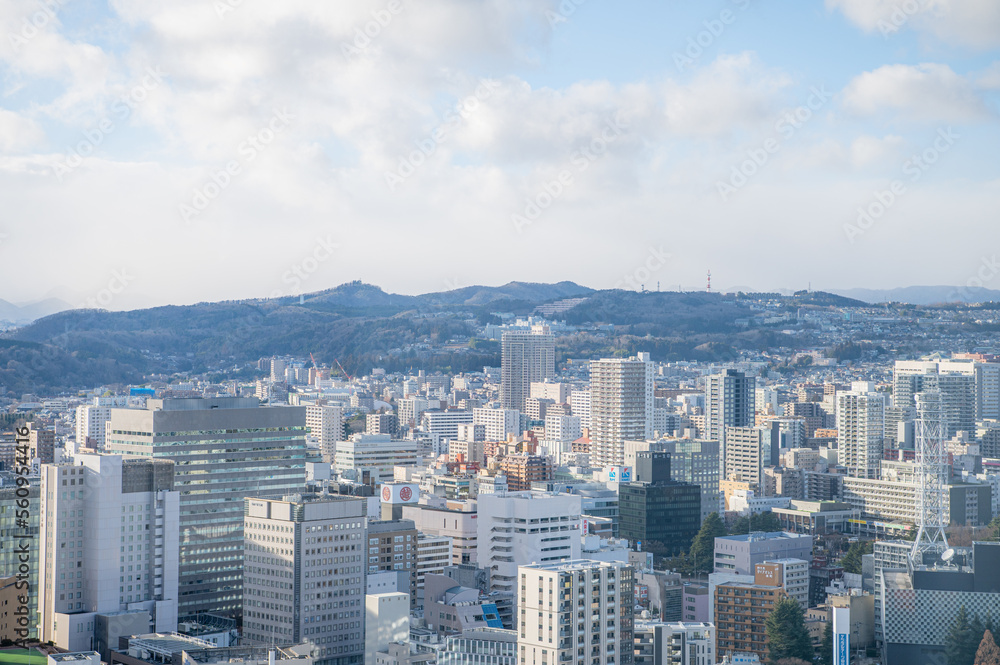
843, 652
627, 474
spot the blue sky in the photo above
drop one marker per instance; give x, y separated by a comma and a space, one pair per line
198, 150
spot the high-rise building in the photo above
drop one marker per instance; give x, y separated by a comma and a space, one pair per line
91, 420
497, 424
522, 470
226, 449
374, 454
387, 620
729, 402
18, 539
515, 527
109, 545
656, 513
741, 609
621, 406
741, 554
579, 403
433, 556
792, 575
526, 357
304, 574
392, 545
326, 423
957, 382
480, 646
861, 429
382, 423
749, 450
41, 443
576, 611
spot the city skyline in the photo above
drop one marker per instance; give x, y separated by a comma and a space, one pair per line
191, 139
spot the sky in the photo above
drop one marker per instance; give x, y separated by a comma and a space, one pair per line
178, 151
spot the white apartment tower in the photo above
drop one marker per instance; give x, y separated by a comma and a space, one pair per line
497, 423
326, 423
577, 612
621, 406
526, 357
109, 544
861, 429
303, 574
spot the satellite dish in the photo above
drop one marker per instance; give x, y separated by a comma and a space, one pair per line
948, 555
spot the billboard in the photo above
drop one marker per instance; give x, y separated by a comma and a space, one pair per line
400, 493
841, 636
619, 474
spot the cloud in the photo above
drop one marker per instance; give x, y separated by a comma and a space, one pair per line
18, 133
927, 92
970, 23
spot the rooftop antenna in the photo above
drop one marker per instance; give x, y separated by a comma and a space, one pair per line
932, 460
709, 281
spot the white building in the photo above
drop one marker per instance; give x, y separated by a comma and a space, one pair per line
109, 543
445, 423
861, 429
557, 392
674, 643
410, 408
387, 620
562, 429
621, 406
577, 611
793, 576
433, 555
497, 423
91, 421
303, 574
376, 453
519, 527
326, 423
579, 403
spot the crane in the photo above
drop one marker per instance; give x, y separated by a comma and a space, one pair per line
349, 377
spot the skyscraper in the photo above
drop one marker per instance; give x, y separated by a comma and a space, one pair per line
621, 406
861, 429
729, 402
226, 449
526, 357
304, 577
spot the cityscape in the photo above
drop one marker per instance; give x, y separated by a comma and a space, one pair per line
499, 332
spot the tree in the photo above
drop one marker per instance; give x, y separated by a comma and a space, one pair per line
961, 641
852, 560
787, 636
826, 646
988, 653
702, 552
766, 521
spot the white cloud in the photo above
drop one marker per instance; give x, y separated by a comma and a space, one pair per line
18, 133
972, 23
927, 92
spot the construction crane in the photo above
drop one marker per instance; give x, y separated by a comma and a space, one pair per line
349, 377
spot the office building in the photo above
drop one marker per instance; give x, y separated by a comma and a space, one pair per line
956, 382
41, 443
861, 429
741, 554
621, 406
522, 470
109, 545
480, 646
729, 402
455, 520
304, 576
526, 357
226, 449
741, 610
387, 620
748, 451
576, 611
497, 424
392, 545
374, 456
18, 534
91, 421
658, 514
445, 423
691, 461
676, 643
433, 556
382, 423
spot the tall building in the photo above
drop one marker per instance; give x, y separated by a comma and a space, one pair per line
392, 545
326, 423
656, 513
749, 450
522, 470
861, 429
497, 424
526, 357
480, 646
579, 403
741, 610
18, 540
741, 554
374, 454
514, 527
957, 382
433, 556
387, 620
729, 402
382, 423
92, 418
41, 443
576, 611
792, 575
621, 406
226, 449
109, 545
304, 574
